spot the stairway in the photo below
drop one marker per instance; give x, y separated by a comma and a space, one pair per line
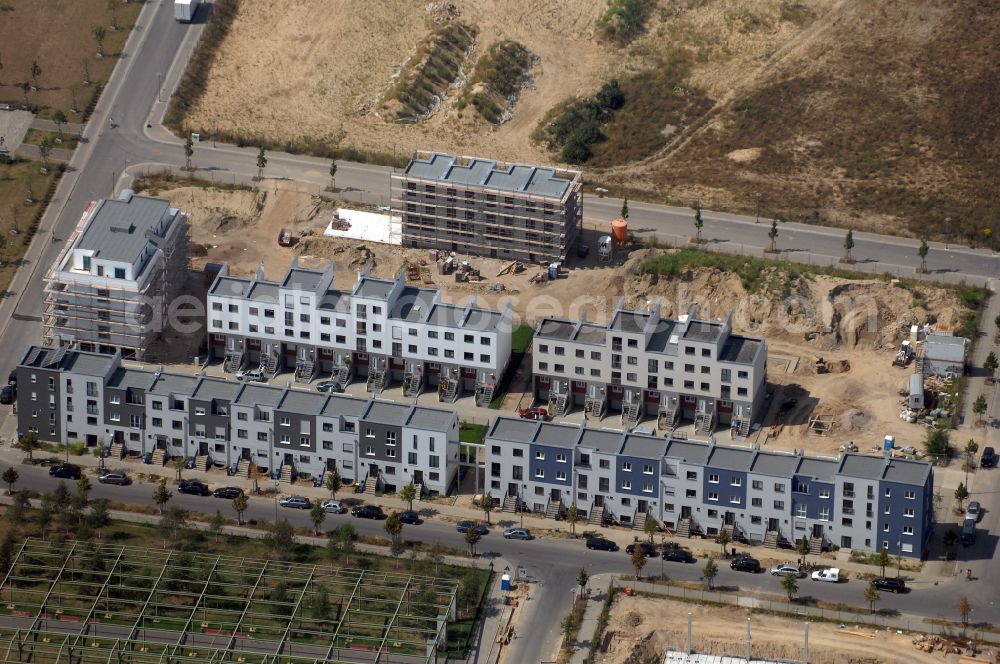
201, 462
234, 361
376, 381
448, 390
920, 363
243, 467
771, 539
117, 451
730, 529
304, 371
815, 545
509, 504
419, 491
639, 521
371, 485
666, 419
596, 517
742, 428
630, 414
342, 376
594, 406
287, 472
413, 382
269, 365
684, 527
703, 422
159, 457
558, 405
553, 508
486, 396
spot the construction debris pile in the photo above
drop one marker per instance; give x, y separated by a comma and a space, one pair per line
946, 646
939, 396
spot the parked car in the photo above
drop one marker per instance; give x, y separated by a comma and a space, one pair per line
66, 471
974, 511
194, 488
329, 386
601, 544
989, 458
296, 502
831, 575
121, 479
678, 556
7, 394
466, 526
647, 548
892, 585
252, 376
228, 492
367, 512
518, 533
782, 570
746, 564
410, 518
333, 507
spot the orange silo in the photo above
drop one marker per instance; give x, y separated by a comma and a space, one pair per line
619, 229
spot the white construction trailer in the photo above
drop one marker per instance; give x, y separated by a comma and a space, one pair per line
184, 10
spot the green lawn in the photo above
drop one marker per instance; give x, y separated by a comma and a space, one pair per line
36, 136
521, 338
472, 433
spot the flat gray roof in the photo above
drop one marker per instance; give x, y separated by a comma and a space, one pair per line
699, 330
945, 339
259, 395
430, 419
130, 379
643, 446
515, 178
301, 279
413, 304
740, 350
629, 321
386, 412
117, 229
557, 435
88, 364
167, 383
820, 469
730, 458
341, 404
335, 300
302, 402
514, 429
775, 464
589, 333
231, 286
372, 288
689, 451
906, 471
215, 388
264, 291
601, 440
553, 328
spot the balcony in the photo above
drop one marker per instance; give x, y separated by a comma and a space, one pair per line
847, 511
848, 494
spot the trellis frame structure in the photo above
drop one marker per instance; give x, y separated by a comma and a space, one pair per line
83, 603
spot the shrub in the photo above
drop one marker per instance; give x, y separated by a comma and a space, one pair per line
624, 20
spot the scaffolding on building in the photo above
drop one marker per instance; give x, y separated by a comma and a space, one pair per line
80, 602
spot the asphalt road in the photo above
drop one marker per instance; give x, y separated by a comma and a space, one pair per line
554, 562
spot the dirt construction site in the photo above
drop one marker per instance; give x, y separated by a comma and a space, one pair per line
641, 629
855, 326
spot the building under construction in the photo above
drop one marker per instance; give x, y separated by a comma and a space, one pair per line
110, 288
488, 208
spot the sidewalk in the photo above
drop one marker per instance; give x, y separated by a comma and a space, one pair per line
588, 634
447, 510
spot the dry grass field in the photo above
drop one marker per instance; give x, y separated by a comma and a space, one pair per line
865, 114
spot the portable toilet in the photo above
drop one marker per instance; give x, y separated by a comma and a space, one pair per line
604, 248
887, 444
553, 271
505, 582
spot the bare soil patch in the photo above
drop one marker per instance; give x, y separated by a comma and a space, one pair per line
643, 628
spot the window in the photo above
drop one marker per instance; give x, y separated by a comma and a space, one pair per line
800, 511
518, 452
626, 466
735, 500
713, 478
561, 475
560, 458
907, 530
390, 438
626, 485
888, 493
757, 485
540, 456
779, 504
824, 514
888, 510
779, 488
756, 502
647, 469
369, 432
262, 435
712, 495
735, 481
284, 421
543, 348
908, 512
540, 473
824, 493
483, 357
909, 495
157, 405
449, 336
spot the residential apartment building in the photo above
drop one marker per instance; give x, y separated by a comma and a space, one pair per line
71, 395
644, 365
110, 288
488, 208
380, 330
854, 501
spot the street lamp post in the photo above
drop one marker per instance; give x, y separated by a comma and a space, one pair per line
758, 195
159, 87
